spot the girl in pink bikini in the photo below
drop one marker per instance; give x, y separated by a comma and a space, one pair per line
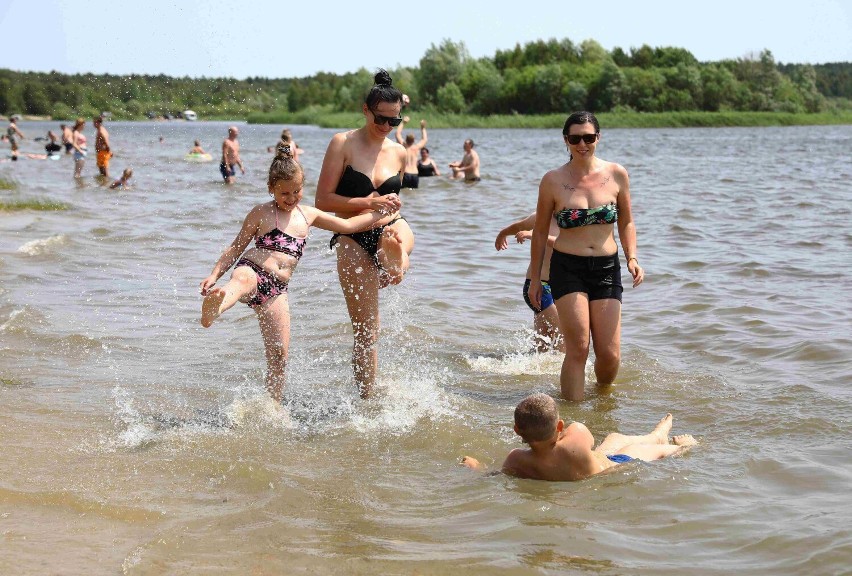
260, 277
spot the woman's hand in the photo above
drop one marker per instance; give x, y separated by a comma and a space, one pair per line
207, 284
386, 204
636, 271
523, 235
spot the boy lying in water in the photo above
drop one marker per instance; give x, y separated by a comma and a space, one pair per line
560, 453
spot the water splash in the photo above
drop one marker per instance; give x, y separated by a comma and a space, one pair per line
42, 245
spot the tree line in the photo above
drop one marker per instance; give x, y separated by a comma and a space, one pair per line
541, 77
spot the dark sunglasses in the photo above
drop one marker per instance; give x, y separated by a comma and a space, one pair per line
379, 119
574, 139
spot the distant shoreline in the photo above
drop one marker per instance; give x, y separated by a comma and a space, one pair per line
607, 119
325, 119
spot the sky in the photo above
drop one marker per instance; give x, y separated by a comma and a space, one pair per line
280, 39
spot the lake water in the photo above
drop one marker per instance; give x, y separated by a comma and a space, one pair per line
134, 441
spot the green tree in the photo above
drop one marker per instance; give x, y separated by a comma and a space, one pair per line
620, 57
606, 91
450, 98
805, 79
35, 99
11, 97
574, 94
720, 88
591, 52
643, 88
547, 89
642, 57
441, 65
669, 57
687, 80
481, 84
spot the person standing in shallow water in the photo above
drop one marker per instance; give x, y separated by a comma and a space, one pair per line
260, 278
12, 134
588, 196
230, 156
411, 177
78, 143
362, 170
102, 147
468, 166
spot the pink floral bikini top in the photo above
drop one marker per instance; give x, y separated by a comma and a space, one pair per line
279, 241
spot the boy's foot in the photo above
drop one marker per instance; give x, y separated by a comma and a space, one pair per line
210, 308
662, 430
684, 440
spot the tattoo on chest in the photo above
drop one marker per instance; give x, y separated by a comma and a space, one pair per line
572, 188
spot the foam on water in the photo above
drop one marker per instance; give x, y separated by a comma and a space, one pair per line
43, 245
518, 363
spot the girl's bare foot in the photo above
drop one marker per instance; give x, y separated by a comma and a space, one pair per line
392, 257
211, 307
662, 430
684, 440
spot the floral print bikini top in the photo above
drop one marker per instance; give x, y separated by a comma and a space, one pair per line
279, 241
576, 217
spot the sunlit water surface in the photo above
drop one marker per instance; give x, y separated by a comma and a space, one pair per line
134, 441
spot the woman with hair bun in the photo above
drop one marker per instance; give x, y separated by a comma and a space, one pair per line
362, 171
280, 231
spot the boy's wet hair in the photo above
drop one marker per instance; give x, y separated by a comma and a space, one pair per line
284, 166
536, 417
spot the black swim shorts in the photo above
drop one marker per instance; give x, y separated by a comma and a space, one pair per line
597, 276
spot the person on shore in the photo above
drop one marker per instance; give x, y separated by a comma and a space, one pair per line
560, 453
362, 170
231, 156
411, 177
197, 149
588, 196
12, 134
545, 316
426, 166
102, 148
78, 142
260, 277
123, 183
67, 139
468, 166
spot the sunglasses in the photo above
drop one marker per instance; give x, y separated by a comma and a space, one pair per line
379, 119
574, 139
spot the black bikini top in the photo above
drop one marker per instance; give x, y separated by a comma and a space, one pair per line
425, 169
354, 184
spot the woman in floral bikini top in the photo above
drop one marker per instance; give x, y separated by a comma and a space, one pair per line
585, 272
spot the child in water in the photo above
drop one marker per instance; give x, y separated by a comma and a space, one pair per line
560, 453
123, 182
280, 230
545, 319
